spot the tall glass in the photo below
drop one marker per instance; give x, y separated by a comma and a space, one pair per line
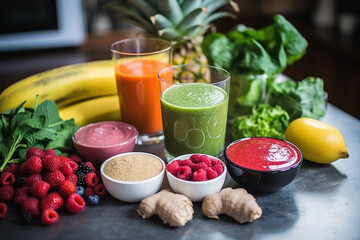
137, 63
194, 105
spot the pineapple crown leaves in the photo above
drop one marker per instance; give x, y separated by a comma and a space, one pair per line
173, 20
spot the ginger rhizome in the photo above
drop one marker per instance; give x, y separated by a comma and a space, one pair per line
236, 203
174, 209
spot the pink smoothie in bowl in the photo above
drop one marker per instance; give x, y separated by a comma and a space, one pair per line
96, 142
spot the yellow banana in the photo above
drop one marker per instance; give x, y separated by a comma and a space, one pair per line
98, 109
64, 85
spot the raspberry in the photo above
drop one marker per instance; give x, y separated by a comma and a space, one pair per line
88, 191
66, 188
180, 162
184, 173
39, 189
72, 177
91, 179
13, 168
33, 165
51, 163
100, 190
34, 151
64, 159
49, 216
52, 201
216, 162
73, 165
173, 167
188, 162
199, 175
6, 193
22, 170
30, 180
21, 194
210, 173
218, 168
93, 200
200, 165
196, 158
3, 209
66, 169
75, 203
7, 178
54, 178
25, 217
50, 152
31, 205
91, 166
76, 158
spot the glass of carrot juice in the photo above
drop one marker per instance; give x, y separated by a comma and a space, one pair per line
137, 62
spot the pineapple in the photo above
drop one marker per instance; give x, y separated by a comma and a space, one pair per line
182, 22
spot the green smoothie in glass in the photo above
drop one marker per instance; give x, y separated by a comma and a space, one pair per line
194, 118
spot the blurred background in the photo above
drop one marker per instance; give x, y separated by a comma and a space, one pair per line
332, 28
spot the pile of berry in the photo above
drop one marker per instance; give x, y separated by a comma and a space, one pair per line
46, 183
196, 168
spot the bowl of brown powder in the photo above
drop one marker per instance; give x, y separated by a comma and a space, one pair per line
132, 176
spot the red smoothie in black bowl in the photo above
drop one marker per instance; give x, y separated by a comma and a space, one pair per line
263, 164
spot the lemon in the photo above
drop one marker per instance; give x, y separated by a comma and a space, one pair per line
318, 141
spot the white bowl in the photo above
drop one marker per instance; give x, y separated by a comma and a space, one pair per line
132, 191
194, 190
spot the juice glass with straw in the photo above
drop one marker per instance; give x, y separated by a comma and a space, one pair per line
137, 62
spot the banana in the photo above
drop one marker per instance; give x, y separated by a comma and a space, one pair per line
98, 109
64, 85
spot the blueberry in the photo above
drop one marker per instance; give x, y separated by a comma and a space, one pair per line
93, 200
80, 190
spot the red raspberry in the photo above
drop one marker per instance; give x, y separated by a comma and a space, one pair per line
73, 178
199, 175
66, 169
54, 178
6, 193
184, 173
50, 152
21, 194
91, 179
66, 188
210, 173
218, 168
173, 167
76, 158
88, 191
31, 205
13, 168
30, 180
7, 178
51, 163
33, 165
22, 170
195, 158
100, 190
3, 209
49, 216
64, 159
91, 166
39, 189
34, 151
52, 201
73, 165
200, 165
180, 162
75, 203
188, 162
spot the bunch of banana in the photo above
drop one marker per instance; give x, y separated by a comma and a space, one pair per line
64, 85
86, 91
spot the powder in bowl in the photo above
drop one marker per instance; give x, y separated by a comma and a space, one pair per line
133, 167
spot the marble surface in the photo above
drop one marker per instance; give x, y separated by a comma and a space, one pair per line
322, 203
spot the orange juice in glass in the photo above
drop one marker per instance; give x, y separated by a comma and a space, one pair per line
137, 63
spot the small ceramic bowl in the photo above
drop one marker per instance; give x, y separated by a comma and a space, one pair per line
134, 190
96, 142
196, 190
262, 164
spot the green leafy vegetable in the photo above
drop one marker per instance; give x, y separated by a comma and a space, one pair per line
305, 98
41, 126
265, 121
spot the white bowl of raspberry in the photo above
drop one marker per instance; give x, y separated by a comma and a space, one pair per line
196, 175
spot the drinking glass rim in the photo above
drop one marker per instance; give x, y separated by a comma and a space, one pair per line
136, 39
226, 78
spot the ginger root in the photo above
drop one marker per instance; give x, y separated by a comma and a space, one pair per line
174, 209
236, 203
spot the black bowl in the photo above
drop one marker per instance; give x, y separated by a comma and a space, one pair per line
262, 180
